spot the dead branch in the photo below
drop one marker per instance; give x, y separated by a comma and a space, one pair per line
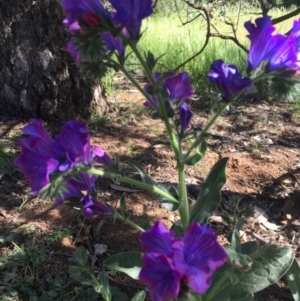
286, 17
154, 4
208, 34
224, 37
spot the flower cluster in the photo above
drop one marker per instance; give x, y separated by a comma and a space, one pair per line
228, 79
277, 50
175, 90
43, 157
173, 263
110, 26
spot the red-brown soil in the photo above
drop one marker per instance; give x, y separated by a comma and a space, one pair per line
261, 140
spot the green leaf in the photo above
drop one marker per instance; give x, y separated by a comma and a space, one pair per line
200, 152
84, 281
81, 256
117, 295
20, 256
139, 296
249, 297
270, 263
75, 271
52, 294
105, 290
235, 241
168, 188
210, 194
145, 178
162, 142
293, 278
242, 262
129, 263
123, 206
190, 297
151, 61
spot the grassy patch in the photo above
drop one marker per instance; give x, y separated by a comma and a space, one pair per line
177, 42
98, 122
7, 156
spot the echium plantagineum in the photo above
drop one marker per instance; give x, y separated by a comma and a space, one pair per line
124, 21
176, 88
172, 264
276, 50
228, 79
43, 158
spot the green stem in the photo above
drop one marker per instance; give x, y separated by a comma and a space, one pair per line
171, 135
124, 179
129, 222
162, 109
142, 61
184, 206
137, 85
216, 287
206, 129
98, 285
216, 116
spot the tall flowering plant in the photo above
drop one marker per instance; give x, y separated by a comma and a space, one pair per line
185, 262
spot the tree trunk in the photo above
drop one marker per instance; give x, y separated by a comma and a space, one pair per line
38, 78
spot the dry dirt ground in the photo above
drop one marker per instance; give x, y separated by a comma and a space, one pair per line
261, 140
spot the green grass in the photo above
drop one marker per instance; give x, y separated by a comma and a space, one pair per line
98, 122
7, 156
167, 37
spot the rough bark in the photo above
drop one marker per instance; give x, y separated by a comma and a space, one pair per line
38, 78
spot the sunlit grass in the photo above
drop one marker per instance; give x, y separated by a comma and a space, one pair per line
168, 37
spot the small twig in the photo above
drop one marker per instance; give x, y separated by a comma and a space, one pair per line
79, 231
154, 4
208, 34
236, 41
190, 21
258, 237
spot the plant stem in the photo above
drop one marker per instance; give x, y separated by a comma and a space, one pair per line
206, 129
129, 222
184, 206
124, 179
136, 84
216, 287
162, 109
142, 61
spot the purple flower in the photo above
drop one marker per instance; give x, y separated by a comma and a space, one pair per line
189, 260
154, 99
100, 156
41, 155
112, 43
185, 116
36, 167
74, 187
73, 49
163, 280
158, 240
92, 207
177, 87
278, 50
130, 13
84, 10
197, 255
74, 139
228, 79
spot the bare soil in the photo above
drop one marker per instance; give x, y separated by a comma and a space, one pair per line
261, 140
